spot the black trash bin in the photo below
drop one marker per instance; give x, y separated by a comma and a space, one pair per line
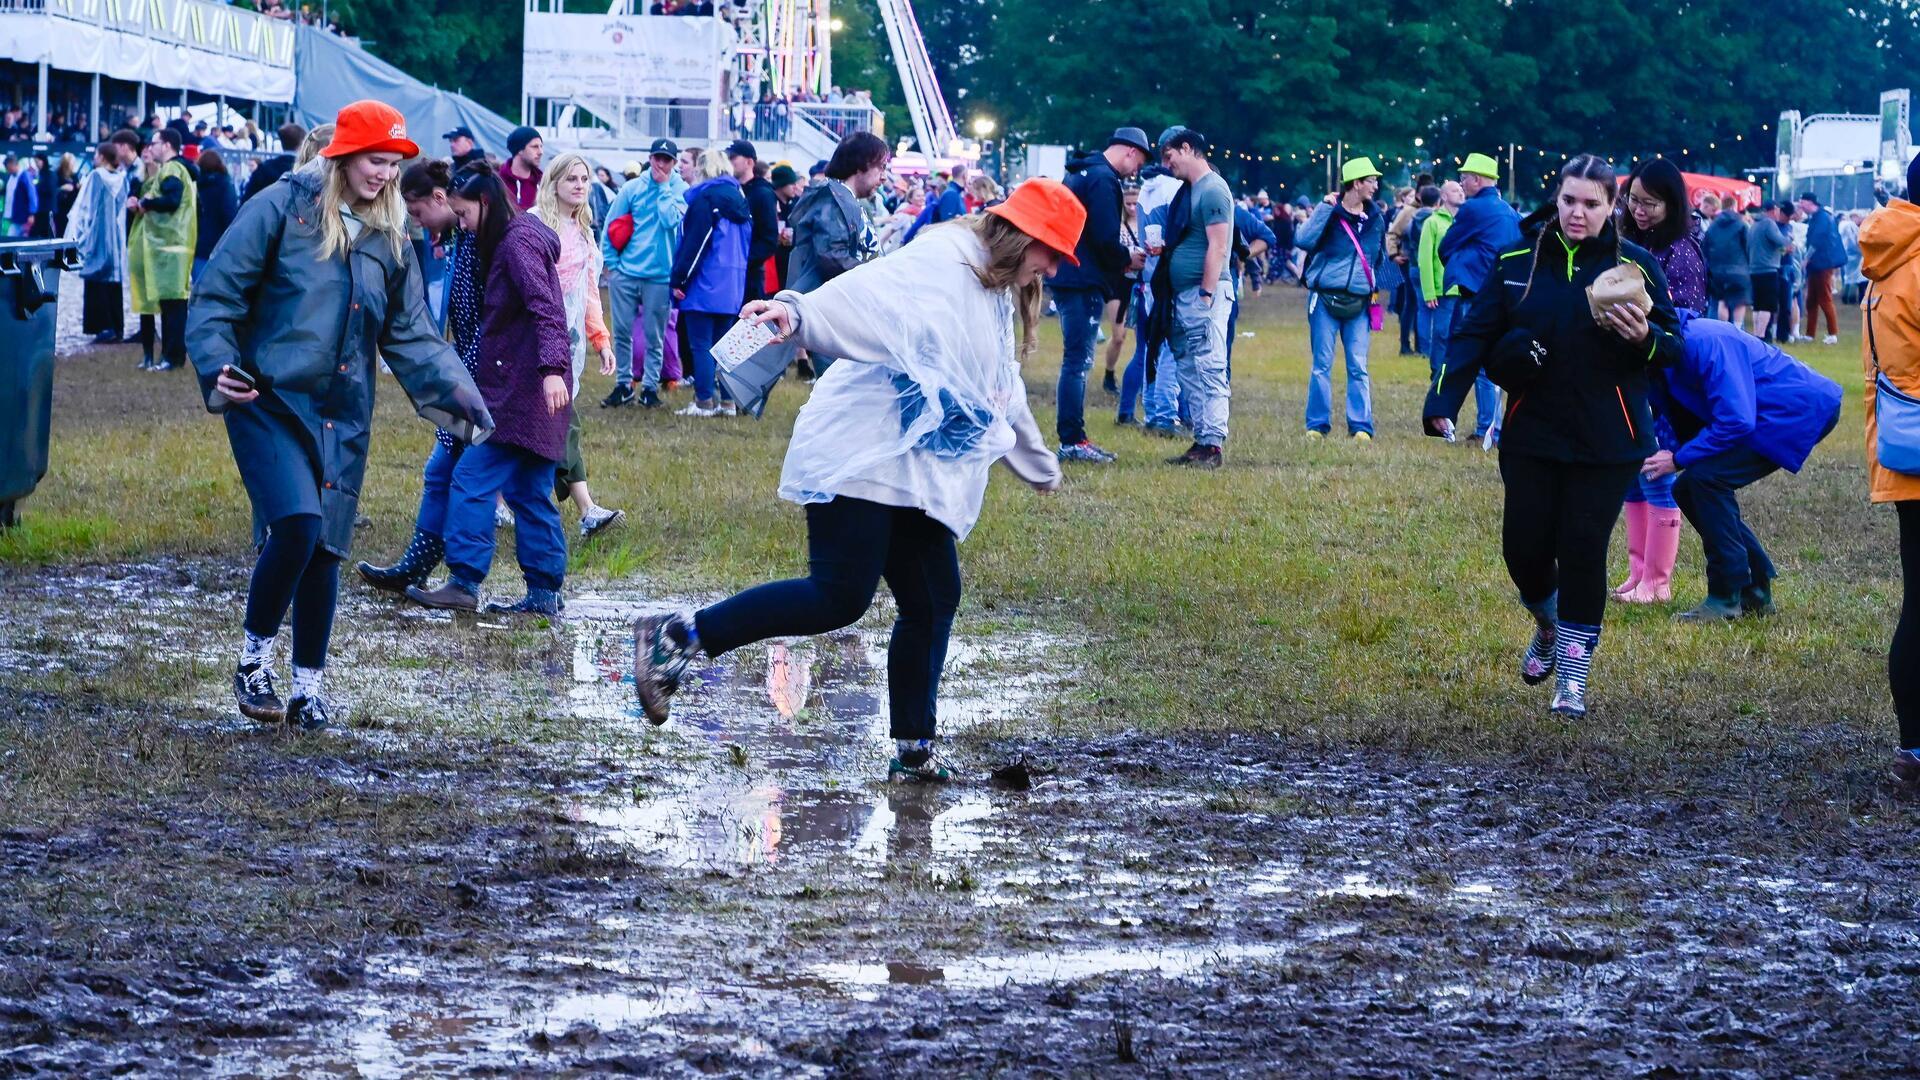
29, 312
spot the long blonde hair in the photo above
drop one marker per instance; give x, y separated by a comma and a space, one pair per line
1006, 251
386, 214
546, 204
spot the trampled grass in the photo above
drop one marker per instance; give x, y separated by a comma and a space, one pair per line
1330, 591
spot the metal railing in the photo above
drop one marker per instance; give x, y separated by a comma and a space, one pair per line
200, 24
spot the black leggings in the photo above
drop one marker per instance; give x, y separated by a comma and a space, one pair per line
851, 545
294, 570
1903, 659
1559, 517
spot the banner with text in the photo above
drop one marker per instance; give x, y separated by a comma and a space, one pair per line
637, 57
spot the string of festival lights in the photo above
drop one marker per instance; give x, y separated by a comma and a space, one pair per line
1327, 153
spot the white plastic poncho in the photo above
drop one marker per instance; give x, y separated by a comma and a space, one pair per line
98, 225
927, 395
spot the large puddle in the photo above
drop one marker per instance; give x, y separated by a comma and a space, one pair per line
780, 749
743, 892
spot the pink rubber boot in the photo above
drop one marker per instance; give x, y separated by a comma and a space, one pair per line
1663, 548
1636, 549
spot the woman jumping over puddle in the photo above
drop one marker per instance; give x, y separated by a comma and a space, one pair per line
890, 455
1578, 427
311, 281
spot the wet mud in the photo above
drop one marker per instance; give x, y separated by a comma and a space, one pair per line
497, 867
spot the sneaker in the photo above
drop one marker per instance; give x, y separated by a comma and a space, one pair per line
1830, 339
1363, 437
1315, 435
1084, 450
804, 369
1125, 421
622, 395
146, 362
309, 713
1757, 601
649, 399
694, 409
661, 653
1906, 767
502, 517
536, 602
166, 365
727, 408
915, 760
1109, 385
107, 337
598, 520
253, 691
1199, 457
1164, 431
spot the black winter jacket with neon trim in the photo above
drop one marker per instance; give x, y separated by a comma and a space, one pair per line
1588, 404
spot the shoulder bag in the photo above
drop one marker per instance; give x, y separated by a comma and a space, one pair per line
1347, 305
1896, 414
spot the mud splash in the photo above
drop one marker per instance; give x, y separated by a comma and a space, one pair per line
498, 866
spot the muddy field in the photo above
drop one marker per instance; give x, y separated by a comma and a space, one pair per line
497, 867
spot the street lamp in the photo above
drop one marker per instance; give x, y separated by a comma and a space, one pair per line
836, 24
983, 128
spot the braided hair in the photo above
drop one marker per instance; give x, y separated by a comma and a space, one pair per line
1582, 167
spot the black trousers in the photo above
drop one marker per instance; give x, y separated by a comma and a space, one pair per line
102, 308
851, 545
1903, 659
173, 331
1559, 517
1707, 492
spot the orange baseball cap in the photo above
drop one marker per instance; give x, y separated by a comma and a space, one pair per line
370, 125
1044, 209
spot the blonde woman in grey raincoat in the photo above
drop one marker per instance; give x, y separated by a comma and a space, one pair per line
312, 285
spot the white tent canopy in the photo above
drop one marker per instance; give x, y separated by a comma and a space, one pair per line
208, 48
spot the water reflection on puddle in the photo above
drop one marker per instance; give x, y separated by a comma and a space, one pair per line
789, 743
984, 972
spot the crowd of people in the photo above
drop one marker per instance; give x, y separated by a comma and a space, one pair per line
1585, 331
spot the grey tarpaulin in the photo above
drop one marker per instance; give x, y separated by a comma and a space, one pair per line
335, 73
753, 380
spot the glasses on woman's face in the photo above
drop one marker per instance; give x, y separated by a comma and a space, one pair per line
1648, 206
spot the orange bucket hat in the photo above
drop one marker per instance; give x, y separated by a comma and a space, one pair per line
1044, 209
370, 125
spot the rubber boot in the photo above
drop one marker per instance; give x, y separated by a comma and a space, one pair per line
1663, 549
419, 560
1637, 519
1536, 664
1573, 652
1713, 609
